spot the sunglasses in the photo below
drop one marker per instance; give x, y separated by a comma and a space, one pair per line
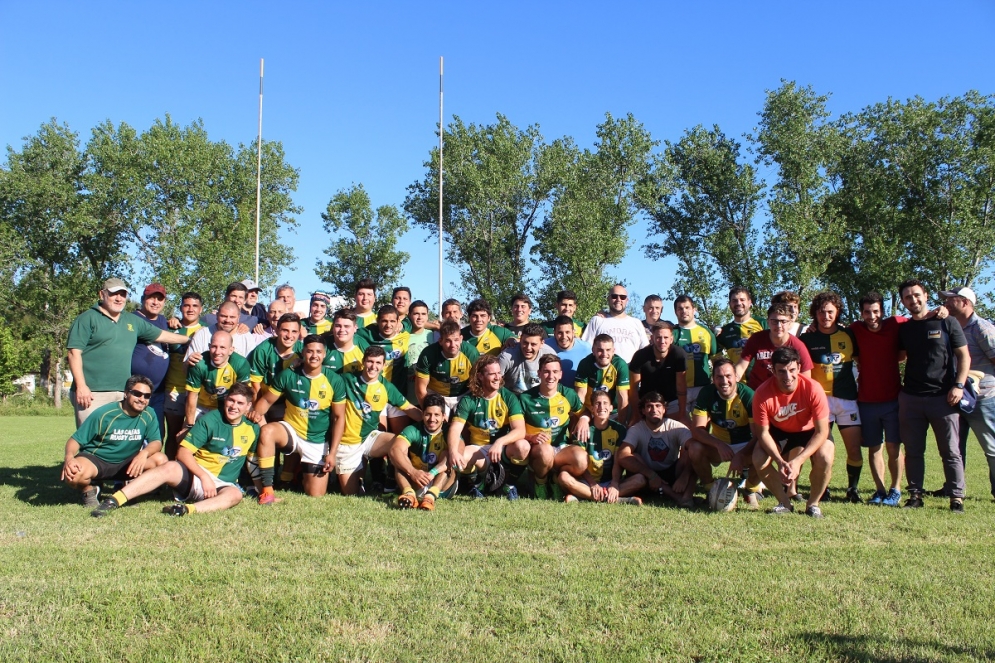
614, 296
146, 395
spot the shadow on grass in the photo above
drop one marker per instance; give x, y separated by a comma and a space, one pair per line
38, 485
870, 648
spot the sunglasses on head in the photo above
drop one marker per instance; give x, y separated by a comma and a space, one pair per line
140, 394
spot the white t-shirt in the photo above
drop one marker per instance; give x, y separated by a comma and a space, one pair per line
658, 447
628, 333
243, 344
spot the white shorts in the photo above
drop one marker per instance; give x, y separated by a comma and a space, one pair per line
310, 452
736, 448
176, 402
692, 397
349, 457
197, 489
394, 412
451, 402
843, 412
672, 408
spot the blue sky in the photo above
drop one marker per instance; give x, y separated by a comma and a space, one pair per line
352, 88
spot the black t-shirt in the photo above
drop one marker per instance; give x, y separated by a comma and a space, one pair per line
515, 329
656, 375
930, 369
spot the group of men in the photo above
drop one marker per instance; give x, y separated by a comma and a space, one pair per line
615, 410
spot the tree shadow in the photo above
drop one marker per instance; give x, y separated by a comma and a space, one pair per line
38, 485
876, 649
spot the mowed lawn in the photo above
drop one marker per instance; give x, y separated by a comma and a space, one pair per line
356, 579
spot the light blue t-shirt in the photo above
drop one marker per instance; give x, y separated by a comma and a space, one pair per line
569, 359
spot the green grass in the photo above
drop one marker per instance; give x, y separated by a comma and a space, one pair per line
354, 579
34, 405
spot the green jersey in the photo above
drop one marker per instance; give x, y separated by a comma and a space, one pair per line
733, 337
114, 436
699, 344
106, 346
602, 446
730, 420
548, 327
309, 400
265, 362
832, 356
611, 378
213, 382
424, 448
488, 418
447, 377
219, 447
491, 342
550, 414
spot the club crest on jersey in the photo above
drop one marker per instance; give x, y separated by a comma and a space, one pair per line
376, 398
231, 452
430, 458
728, 424
841, 345
551, 422
693, 347
393, 354
365, 408
604, 454
130, 328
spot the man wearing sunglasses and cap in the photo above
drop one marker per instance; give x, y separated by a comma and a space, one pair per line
100, 346
627, 332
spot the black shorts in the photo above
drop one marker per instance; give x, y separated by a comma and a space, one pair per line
787, 441
107, 471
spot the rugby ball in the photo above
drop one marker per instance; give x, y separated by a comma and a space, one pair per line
723, 495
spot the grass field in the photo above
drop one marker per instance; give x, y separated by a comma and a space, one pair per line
355, 579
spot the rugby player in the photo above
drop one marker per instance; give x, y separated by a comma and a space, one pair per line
108, 445
587, 470
732, 337
209, 380
566, 304
724, 430
521, 310
313, 421
204, 476
603, 370
419, 338
652, 310
698, 343
549, 409
344, 348
317, 321
792, 417
272, 357
418, 455
570, 348
487, 338
390, 336
191, 306
366, 297
793, 302
444, 367
626, 331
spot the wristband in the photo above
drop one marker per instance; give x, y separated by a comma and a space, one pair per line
434, 472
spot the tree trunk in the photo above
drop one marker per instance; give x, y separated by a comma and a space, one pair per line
57, 383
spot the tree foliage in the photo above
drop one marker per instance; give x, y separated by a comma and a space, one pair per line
364, 244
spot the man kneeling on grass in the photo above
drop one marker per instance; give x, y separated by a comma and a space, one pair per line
108, 446
208, 462
654, 448
419, 457
591, 473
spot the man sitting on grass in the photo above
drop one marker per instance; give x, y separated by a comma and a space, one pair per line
588, 470
207, 463
654, 448
108, 446
419, 457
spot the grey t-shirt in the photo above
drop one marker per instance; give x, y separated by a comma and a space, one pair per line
658, 448
521, 375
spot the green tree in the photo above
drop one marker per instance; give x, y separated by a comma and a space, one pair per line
15, 361
586, 231
702, 198
364, 244
498, 181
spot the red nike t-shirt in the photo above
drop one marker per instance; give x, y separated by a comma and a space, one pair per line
761, 348
794, 412
880, 380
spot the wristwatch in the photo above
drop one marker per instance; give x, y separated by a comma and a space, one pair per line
959, 385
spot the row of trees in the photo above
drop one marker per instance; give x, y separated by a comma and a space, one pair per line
856, 202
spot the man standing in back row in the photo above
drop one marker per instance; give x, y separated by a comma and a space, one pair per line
627, 331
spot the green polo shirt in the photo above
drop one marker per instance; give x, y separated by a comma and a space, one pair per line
114, 436
107, 346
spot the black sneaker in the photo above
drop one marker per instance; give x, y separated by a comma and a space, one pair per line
826, 496
853, 497
814, 511
956, 505
91, 497
914, 501
109, 505
942, 492
176, 510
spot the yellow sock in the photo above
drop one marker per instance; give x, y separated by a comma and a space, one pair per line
120, 498
191, 508
433, 491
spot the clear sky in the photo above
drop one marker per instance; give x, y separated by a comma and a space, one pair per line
352, 88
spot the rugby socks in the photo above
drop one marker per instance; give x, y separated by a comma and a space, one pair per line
266, 471
853, 472
285, 476
191, 509
434, 491
119, 497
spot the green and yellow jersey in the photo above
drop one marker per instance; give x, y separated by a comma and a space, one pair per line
550, 414
549, 328
365, 319
396, 347
265, 361
699, 344
446, 377
222, 448
733, 337
309, 400
321, 327
832, 356
730, 420
424, 448
214, 382
611, 378
491, 342
488, 418
601, 447
114, 436
176, 374
348, 361
364, 403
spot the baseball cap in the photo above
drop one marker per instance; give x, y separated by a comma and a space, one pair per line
250, 285
154, 289
115, 284
321, 297
965, 292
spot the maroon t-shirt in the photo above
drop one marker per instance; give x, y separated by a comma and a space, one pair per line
880, 380
760, 348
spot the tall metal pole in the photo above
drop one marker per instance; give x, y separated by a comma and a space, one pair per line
259, 166
441, 131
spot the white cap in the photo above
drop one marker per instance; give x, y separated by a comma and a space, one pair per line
964, 292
